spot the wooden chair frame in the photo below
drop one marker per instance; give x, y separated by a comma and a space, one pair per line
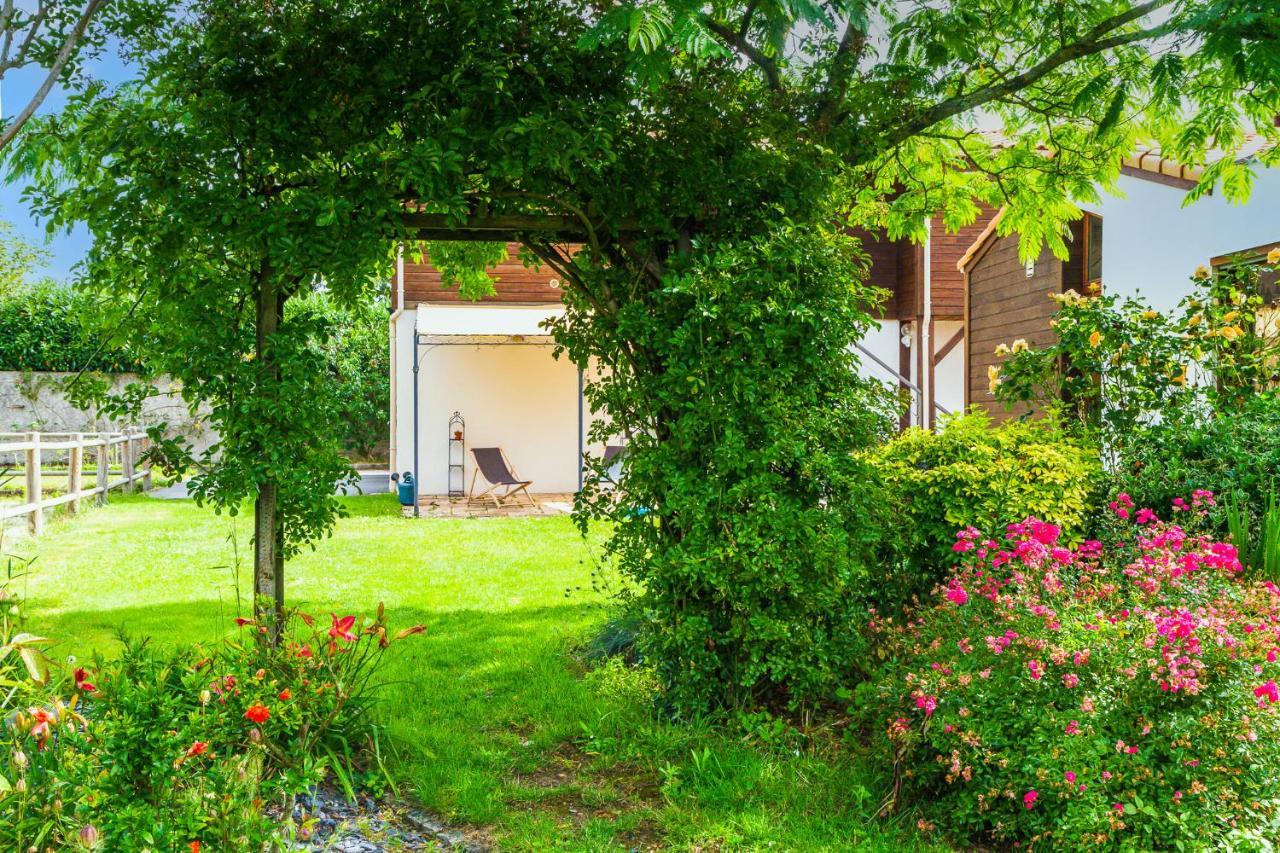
510, 491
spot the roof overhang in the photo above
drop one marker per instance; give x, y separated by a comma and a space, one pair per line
976, 247
487, 340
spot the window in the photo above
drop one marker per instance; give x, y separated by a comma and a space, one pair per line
1268, 280
1092, 249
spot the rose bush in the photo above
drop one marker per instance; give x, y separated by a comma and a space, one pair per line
1122, 692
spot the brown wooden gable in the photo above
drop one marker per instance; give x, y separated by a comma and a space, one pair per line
1004, 304
515, 284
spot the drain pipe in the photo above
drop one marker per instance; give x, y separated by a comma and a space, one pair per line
416, 486
397, 309
926, 332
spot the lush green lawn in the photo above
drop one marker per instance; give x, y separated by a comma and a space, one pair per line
495, 724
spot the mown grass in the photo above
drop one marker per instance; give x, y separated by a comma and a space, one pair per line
494, 725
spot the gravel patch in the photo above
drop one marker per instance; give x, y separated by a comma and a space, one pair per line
327, 821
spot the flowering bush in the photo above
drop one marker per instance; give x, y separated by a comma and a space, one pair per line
1118, 365
970, 473
1122, 692
171, 750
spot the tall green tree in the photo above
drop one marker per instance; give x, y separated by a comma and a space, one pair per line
275, 145
19, 261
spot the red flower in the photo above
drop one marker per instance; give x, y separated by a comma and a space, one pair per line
241, 622
197, 748
341, 628
304, 651
82, 681
41, 718
257, 713
285, 695
194, 846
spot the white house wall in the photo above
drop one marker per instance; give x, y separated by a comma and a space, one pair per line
1152, 244
949, 375
515, 396
884, 339
518, 398
402, 391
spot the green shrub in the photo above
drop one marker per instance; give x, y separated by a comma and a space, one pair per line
746, 516
359, 362
1121, 694
970, 473
1235, 456
1119, 366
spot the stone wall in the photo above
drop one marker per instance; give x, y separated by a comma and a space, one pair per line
36, 401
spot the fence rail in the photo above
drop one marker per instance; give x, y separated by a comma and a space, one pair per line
117, 464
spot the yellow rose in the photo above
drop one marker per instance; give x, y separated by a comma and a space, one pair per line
1150, 315
1021, 345
1095, 338
1229, 316
1202, 272
1181, 377
1095, 287
1273, 257
993, 378
1002, 350
1231, 332
1195, 320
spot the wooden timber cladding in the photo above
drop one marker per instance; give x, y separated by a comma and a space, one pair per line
1004, 304
948, 281
898, 267
515, 283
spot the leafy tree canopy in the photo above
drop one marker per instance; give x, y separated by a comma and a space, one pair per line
58, 36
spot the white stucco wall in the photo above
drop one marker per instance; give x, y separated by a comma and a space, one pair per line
1152, 244
948, 381
517, 397
883, 340
401, 452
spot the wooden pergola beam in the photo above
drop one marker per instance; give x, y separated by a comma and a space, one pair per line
507, 228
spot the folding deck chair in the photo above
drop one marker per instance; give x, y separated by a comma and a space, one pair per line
612, 465
492, 463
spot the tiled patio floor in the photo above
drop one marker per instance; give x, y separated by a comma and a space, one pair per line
440, 506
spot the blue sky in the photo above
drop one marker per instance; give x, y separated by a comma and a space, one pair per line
16, 89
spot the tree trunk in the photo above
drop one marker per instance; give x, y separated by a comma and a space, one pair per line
268, 557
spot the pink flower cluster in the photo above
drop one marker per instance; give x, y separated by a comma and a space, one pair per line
1085, 645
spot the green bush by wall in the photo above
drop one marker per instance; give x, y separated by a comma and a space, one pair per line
45, 328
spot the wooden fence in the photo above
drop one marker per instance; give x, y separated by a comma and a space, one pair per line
116, 464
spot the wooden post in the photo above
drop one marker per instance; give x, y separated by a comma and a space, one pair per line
104, 467
145, 445
126, 455
35, 487
75, 472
